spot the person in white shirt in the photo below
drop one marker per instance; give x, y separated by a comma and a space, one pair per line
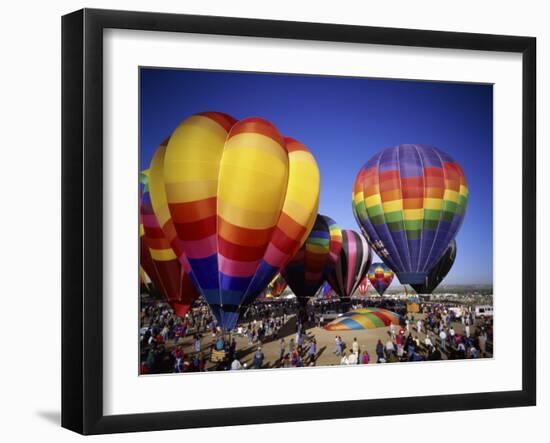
344, 360
443, 339
428, 342
419, 326
352, 359
392, 331
355, 346
390, 348
236, 365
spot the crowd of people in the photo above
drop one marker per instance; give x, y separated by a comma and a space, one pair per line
433, 336
195, 343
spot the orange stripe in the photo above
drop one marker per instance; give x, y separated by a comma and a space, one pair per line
257, 126
188, 212
243, 236
224, 120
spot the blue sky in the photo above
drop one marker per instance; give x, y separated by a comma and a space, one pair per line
344, 121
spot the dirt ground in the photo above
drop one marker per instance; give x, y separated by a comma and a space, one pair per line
366, 338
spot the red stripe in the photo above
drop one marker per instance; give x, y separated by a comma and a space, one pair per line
224, 120
239, 252
197, 230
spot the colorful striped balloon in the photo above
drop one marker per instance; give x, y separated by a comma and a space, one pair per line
236, 200
365, 318
352, 265
315, 260
380, 277
410, 202
277, 286
363, 286
160, 262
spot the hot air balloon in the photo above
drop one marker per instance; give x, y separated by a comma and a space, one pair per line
380, 277
410, 202
277, 286
326, 292
315, 260
363, 286
163, 267
352, 265
236, 201
439, 271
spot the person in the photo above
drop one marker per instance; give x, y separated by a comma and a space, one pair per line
366, 358
291, 346
467, 330
419, 326
236, 365
355, 346
379, 350
428, 343
283, 349
442, 339
461, 350
344, 360
436, 354
389, 348
352, 358
338, 342
312, 351
392, 331
197, 343
258, 358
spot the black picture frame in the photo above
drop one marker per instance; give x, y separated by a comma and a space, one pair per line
82, 218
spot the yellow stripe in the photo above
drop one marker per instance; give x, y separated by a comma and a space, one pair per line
256, 142
141, 230
157, 191
316, 249
194, 152
191, 190
162, 254
372, 200
246, 218
433, 203
463, 190
302, 195
413, 214
392, 206
450, 195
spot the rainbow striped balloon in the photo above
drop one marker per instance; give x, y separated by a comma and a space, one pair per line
365, 318
236, 201
380, 277
352, 265
159, 260
314, 261
410, 201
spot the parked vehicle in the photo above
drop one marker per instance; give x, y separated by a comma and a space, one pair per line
483, 311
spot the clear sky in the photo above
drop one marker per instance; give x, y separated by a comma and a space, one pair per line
344, 121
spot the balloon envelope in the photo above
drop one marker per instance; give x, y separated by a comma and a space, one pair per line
352, 265
314, 261
364, 318
237, 200
410, 202
363, 286
380, 277
277, 286
160, 262
439, 271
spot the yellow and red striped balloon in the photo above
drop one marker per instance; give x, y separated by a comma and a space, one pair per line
159, 260
236, 201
